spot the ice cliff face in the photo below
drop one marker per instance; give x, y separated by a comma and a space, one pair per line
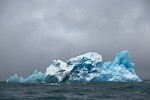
86, 68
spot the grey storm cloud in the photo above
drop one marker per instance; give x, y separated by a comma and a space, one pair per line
34, 32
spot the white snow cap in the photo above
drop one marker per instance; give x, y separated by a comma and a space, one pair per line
93, 56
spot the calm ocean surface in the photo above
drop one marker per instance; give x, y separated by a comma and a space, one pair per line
76, 91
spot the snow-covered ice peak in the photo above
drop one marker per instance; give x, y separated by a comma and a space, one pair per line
93, 56
88, 58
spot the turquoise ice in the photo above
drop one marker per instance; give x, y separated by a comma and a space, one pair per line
34, 78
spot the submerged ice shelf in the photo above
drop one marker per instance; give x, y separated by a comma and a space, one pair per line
85, 68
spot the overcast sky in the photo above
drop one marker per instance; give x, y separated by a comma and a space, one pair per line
34, 32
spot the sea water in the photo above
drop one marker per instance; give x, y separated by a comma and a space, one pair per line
76, 91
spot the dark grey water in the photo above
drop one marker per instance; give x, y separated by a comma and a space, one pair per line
76, 91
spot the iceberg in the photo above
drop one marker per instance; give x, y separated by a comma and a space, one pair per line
85, 68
